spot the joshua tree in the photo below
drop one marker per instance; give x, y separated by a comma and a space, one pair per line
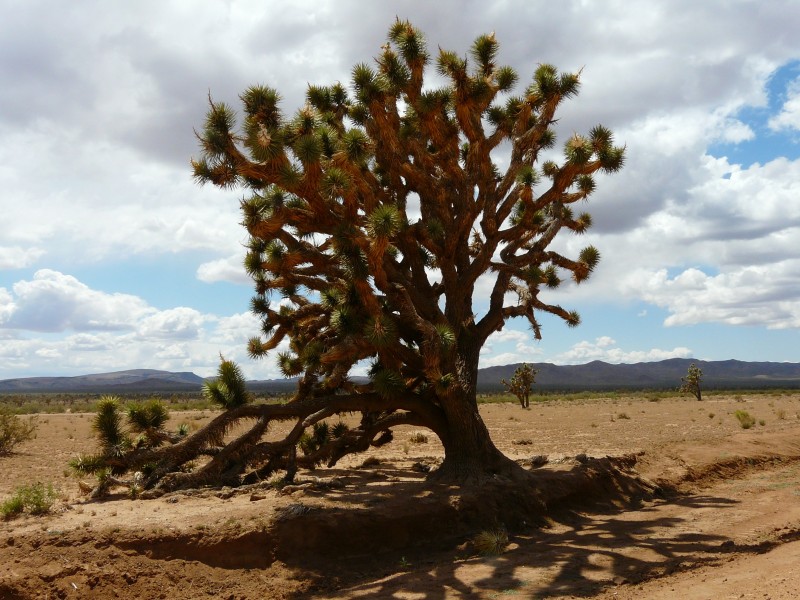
373, 212
117, 442
520, 385
691, 383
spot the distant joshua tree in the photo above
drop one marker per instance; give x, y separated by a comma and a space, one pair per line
691, 383
372, 212
520, 385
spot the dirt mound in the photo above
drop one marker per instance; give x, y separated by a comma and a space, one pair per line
309, 538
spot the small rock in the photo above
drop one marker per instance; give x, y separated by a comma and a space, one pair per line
257, 497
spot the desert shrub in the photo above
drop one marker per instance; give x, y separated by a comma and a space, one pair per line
746, 420
14, 430
623, 415
522, 442
492, 542
418, 437
781, 414
35, 499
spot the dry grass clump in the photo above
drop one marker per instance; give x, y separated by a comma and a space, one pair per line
418, 437
746, 420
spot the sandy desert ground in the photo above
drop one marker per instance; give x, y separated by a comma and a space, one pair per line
673, 500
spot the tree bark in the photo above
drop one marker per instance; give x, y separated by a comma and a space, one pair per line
470, 456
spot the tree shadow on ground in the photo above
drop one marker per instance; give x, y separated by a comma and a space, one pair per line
578, 554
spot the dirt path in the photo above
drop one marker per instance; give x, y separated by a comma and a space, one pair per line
728, 528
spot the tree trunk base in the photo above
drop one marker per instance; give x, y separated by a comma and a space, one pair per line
466, 473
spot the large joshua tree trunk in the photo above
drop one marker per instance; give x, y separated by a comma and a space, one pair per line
470, 453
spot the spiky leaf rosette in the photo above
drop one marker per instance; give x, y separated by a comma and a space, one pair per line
86, 464
107, 425
148, 415
229, 389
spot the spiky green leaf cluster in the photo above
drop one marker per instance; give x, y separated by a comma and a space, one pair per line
147, 415
229, 389
107, 424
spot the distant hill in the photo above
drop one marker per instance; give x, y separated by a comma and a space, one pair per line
134, 380
665, 374
597, 375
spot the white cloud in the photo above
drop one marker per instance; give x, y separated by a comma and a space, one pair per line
722, 217
762, 295
605, 349
6, 306
224, 269
789, 115
240, 326
509, 335
509, 346
17, 257
54, 302
86, 342
91, 331
48, 353
175, 323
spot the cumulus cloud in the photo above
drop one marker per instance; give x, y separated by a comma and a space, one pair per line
605, 349
175, 323
789, 115
224, 269
764, 295
53, 302
17, 257
55, 324
509, 346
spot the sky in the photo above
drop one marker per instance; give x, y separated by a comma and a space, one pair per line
113, 258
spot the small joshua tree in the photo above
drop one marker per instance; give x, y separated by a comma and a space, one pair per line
691, 383
145, 431
520, 385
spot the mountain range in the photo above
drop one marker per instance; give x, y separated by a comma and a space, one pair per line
597, 375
